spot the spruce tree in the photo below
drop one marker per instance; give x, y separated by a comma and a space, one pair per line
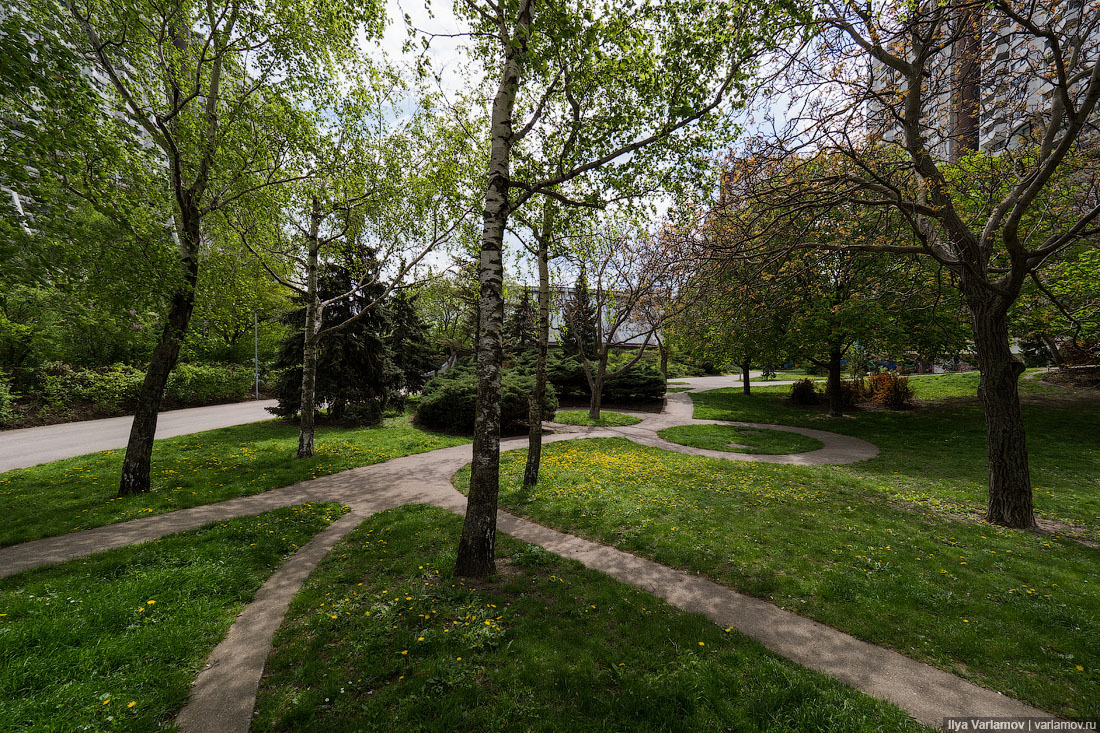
578, 333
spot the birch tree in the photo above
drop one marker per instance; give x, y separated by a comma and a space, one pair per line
382, 193
208, 86
622, 85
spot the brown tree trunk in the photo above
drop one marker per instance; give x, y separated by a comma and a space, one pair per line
836, 399
1010, 495
136, 465
477, 546
663, 350
595, 402
745, 386
535, 416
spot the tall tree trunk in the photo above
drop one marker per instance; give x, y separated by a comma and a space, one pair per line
1010, 495
1052, 348
477, 546
746, 387
535, 416
137, 463
595, 402
836, 399
308, 402
310, 343
662, 349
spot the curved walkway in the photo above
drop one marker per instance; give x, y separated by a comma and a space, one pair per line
223, 695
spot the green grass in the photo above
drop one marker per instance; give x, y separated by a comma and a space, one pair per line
1013, 611
607, 419
383, 638
79, 493
740, 440
678, 389
935, 455
81, 641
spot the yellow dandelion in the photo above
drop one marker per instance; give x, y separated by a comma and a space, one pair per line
132, 703
404, 651
150, 602
702, 644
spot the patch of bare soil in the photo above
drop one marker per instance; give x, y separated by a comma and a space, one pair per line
1044, 527
1080, 377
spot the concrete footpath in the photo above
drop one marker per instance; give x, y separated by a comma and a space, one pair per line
31, 446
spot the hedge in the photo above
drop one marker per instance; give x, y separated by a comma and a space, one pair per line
115, 387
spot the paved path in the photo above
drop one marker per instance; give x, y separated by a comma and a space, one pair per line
223, 695
31, 446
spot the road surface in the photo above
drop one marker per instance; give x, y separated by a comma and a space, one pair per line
31, 446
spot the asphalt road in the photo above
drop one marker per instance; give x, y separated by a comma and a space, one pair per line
31, 446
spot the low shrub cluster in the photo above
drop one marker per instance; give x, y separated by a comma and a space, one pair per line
6, 398
886, 389
890, 390
116, 387
804, 392
449, 400
642, 383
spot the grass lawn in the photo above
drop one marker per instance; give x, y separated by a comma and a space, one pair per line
739, 440
678, 389
79, 493
113, 641
935, 455
607, 419
877, 548
383, 638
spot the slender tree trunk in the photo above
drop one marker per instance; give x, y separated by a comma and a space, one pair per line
663, 350
310, 349
836, 399
595, 402
745, 385
477, 546
1055, 354
534, 440
1010, 495
310, 343
139, 449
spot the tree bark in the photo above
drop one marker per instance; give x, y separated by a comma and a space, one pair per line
310, 341
836, 399
136, 465
535, 416
1010, 495
595, 384
745, 386
477, 546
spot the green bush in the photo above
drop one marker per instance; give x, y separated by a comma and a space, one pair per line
642, 383
6, 398
804, 392
108, 388
203, 384
449, 401
116, 387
